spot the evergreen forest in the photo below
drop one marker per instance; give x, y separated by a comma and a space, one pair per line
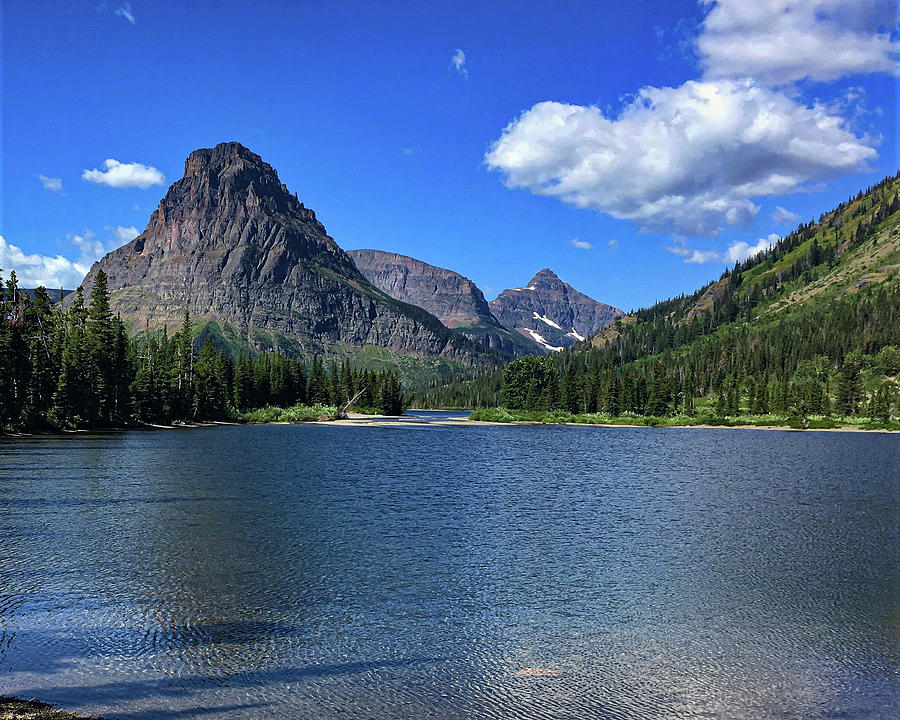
78, 368
808, 329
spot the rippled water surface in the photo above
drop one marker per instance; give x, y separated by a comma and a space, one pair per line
317, 571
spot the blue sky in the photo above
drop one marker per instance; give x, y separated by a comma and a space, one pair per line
635, 148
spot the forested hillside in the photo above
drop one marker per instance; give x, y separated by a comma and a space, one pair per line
810, 327
77, 368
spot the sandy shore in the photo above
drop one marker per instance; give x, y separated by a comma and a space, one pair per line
359, 420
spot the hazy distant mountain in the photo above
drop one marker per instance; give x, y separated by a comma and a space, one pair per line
54, 294
455, 300
256, 269
552, 312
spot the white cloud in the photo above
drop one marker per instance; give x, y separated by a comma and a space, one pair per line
123, 234
124, 10
688, 159
613, 244
52, 184
35, 270
410, 151
458, 63
88, 245
580, 244
120, 9
736, 252
783, 216
124, 175
781, 41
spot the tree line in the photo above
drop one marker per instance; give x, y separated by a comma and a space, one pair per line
722, 349
78, 368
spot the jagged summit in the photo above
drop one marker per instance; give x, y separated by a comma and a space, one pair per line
450, 297
230, 243
230, 168
551, 312
454, 299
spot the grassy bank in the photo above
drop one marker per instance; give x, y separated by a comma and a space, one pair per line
560, 417
297, 413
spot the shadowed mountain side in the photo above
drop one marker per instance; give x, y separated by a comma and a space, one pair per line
233, 246
454, 299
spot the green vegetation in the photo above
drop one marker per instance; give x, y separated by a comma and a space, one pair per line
561, 417
806, 333
79, 369
297, 413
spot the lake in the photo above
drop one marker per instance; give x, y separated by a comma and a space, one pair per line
433, 571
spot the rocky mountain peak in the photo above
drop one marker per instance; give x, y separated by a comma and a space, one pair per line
545, 274
231, 244
223, 155
229, 174
551, 312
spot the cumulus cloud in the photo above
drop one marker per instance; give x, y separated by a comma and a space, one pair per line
783, 216
123, 234
35, 270
458, 63
736, 252
687, 159
52, 184
89, 247
124, 175
613, 244
781, 41
580, 244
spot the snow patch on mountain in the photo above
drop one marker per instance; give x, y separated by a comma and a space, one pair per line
538, 338
545, 319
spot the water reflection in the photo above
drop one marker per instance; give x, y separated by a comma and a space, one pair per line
406, 572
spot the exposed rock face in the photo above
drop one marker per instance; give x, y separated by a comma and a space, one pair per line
552, 312
455, 300
232, 245
450, 297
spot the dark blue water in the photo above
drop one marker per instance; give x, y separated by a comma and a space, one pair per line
318, 571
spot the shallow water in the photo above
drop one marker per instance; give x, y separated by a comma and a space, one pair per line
315, 571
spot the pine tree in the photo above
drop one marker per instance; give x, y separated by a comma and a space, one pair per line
243, 384
184, 367
73, 395
43, 358
849, 387
102, 347
317, 390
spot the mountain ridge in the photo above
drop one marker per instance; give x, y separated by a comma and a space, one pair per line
451, 297
552, 312
232, 245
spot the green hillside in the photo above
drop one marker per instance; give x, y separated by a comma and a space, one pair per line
807, 331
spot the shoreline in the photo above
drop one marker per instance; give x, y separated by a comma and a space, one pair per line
366, 420
394, 421
13, 708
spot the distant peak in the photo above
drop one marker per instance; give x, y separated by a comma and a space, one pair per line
222, 155
545, 274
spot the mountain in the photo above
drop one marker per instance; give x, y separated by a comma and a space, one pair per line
258, 271
808, 329
55, 295
455, 300
821, 265
805, 333
552, 312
